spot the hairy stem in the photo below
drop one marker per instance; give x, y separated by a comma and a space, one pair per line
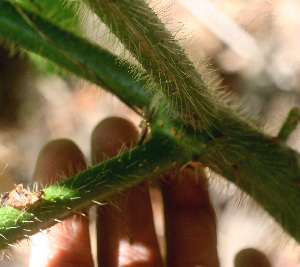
289, 125
266, 170
89, 187
71, 52
146, 37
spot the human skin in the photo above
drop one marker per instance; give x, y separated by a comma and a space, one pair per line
126, 234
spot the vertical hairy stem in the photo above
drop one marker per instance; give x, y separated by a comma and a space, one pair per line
146, 37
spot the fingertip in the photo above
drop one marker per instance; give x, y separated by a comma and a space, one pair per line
110, 136
250, 257
58, 158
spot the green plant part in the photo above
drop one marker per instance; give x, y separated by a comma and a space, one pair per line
289, 124
197, 125
96, 64
90, 187
158, 52
67, 17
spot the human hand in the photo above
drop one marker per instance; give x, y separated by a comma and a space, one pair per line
125, 229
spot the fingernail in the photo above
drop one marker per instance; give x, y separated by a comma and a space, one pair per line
112, 136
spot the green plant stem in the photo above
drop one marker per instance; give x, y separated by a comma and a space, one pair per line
266, 170
289, 125
146, 37
96, 184
71, 52
58, 12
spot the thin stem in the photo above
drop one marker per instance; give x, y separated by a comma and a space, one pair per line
289, 125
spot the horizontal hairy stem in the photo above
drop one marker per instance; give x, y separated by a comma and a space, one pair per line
71, 52
264, 168
260, 165
90, 187
155, 48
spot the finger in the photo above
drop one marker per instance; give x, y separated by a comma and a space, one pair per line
251, 257
189, 219
59, 246
126, 234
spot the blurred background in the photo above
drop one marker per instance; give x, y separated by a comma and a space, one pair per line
253, 45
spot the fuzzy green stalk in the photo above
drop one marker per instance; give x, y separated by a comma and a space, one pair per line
59, 12
90, 187
289, 125
76, 54
146, 37
266, 170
